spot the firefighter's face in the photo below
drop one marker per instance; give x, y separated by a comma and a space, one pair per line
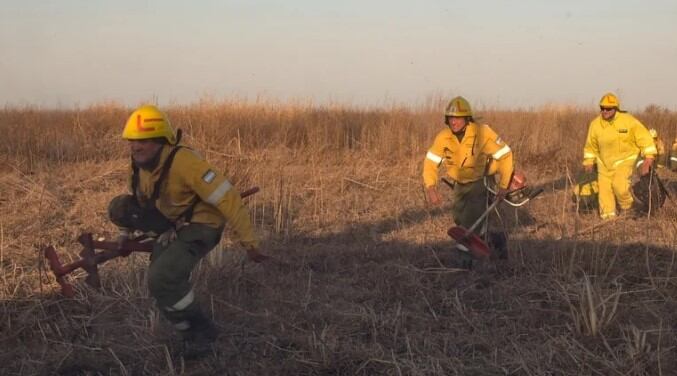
144, 151
607, 112
457, 123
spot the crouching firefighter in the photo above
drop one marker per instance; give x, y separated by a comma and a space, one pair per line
183, 202
469, 152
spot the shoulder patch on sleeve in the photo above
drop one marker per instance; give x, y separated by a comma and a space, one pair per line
208, 176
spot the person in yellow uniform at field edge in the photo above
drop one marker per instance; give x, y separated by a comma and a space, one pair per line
469, 152
660, 160
615, 140
184, 202
673, 156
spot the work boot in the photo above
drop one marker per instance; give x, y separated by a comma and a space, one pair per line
465, 256
499, 245
198, 340
630, 213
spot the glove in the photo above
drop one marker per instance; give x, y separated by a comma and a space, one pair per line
501, 194
122, 238
588, 168
254, 255
170, 235
646, 166
434, 198
166, 237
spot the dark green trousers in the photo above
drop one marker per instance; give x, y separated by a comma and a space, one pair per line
170, 264
468, 204
469, 201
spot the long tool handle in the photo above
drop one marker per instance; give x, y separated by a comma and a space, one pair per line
249, 192
493, 205
484, 215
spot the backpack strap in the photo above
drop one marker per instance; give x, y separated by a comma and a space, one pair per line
187, 215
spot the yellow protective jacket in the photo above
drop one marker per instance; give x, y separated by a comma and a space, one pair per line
660, 151
673, 156
621, 139
191, 178
467, 161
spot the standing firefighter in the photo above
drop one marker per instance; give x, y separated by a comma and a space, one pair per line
615, 140
661, 157
469, 152
673, 156
184, 202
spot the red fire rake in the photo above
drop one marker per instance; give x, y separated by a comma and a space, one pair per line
91, 259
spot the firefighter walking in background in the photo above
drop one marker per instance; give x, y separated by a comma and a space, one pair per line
468, 151
615, 140
661, 157
673, 156
184, 202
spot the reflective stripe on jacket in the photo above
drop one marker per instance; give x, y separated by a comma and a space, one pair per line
616, 141
466, 161
191, 178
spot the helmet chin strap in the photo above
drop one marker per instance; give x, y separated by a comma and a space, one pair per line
179, 133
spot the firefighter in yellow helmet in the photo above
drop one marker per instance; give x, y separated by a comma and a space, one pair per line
184, 202
673, 156
615, 140
660, 148
468, 151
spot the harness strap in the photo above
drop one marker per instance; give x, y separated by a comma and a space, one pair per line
187, 215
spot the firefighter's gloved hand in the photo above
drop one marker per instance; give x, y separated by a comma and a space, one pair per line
166, 237
254, 255
434, 198
646, 166
501, 194
588, 168
122, 238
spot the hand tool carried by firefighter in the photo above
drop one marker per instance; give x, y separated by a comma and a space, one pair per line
520, 194
90, 259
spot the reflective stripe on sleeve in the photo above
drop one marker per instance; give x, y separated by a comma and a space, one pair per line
650, 150
183, 303
587, 155
674, 159
433, 157
218, 193
501, 152
618, 162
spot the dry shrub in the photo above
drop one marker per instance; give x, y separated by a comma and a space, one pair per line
365, 281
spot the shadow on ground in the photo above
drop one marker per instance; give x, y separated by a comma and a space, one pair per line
344, 304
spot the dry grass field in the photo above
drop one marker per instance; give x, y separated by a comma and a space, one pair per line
365, 283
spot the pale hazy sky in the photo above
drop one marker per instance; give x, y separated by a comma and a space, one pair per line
496, 53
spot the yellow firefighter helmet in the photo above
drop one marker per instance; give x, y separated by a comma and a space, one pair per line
148, 122
610, 100
458, 107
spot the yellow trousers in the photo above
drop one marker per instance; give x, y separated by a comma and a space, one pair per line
614, 185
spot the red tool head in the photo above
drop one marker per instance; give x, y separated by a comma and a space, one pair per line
478, 248
59, 271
